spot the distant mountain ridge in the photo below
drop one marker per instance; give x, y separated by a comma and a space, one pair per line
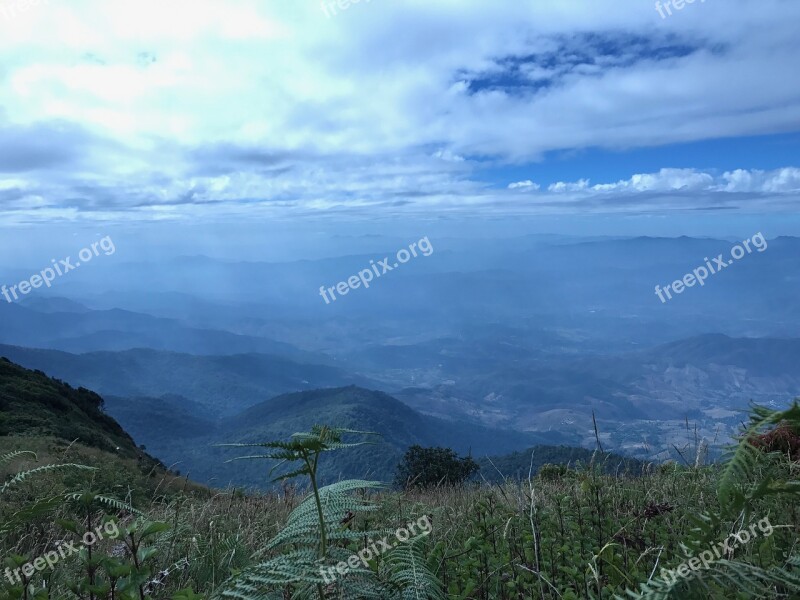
642, 398
35, 405
222, 384
763, 356
62, 324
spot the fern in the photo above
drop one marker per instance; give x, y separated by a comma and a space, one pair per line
408, 570
7, 458
22, 476
318, 536
739, 469
88, 499
39, 506
740, 489
302, 526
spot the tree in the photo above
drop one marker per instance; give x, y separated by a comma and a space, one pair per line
428, 467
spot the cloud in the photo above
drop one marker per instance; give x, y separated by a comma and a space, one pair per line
527, 185
561, 186
256, 108
786, 180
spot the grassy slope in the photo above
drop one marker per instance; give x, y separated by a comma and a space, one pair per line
33, 404
518, 465
64, 424
482, 543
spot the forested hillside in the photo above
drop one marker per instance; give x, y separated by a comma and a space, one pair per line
33, 404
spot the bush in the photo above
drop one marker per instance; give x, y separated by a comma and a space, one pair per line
429, 467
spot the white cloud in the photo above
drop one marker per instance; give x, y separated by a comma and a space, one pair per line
448, 156
665, 180
189, 107
561, 186
778, 181
786, 180
528, 186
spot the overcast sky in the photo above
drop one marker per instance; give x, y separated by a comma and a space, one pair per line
115, 111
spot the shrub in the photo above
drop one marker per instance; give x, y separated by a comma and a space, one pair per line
429, 467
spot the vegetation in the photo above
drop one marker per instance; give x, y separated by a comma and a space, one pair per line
177, 430
433, 467
318, 538
578, 532
33, 404
553, 460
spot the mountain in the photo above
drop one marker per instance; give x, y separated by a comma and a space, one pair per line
35, 405
56, 423
182, 443
155, 419
644, 400
764, 357
220, 384
53, 304
62, 324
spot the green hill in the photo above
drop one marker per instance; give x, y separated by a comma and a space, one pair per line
62, 424
185, 440
35, 405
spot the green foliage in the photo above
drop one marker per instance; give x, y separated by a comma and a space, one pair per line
408, 574
9, 522
319, 534
747, 489
567, 534
429, 467
520, 465
550, 472
32, 404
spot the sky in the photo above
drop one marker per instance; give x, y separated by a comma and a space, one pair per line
120, 113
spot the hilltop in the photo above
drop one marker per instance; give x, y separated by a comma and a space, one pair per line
185, 437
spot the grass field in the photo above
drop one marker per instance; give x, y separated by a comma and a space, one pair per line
574, 534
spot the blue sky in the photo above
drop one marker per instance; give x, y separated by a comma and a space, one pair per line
114, 112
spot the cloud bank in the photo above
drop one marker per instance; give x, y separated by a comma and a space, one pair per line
117, 111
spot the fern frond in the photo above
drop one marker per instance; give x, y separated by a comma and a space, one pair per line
89, 498
408, 571
7, 458
302, 526
734, 489
738, 470
721, 576
20, 477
